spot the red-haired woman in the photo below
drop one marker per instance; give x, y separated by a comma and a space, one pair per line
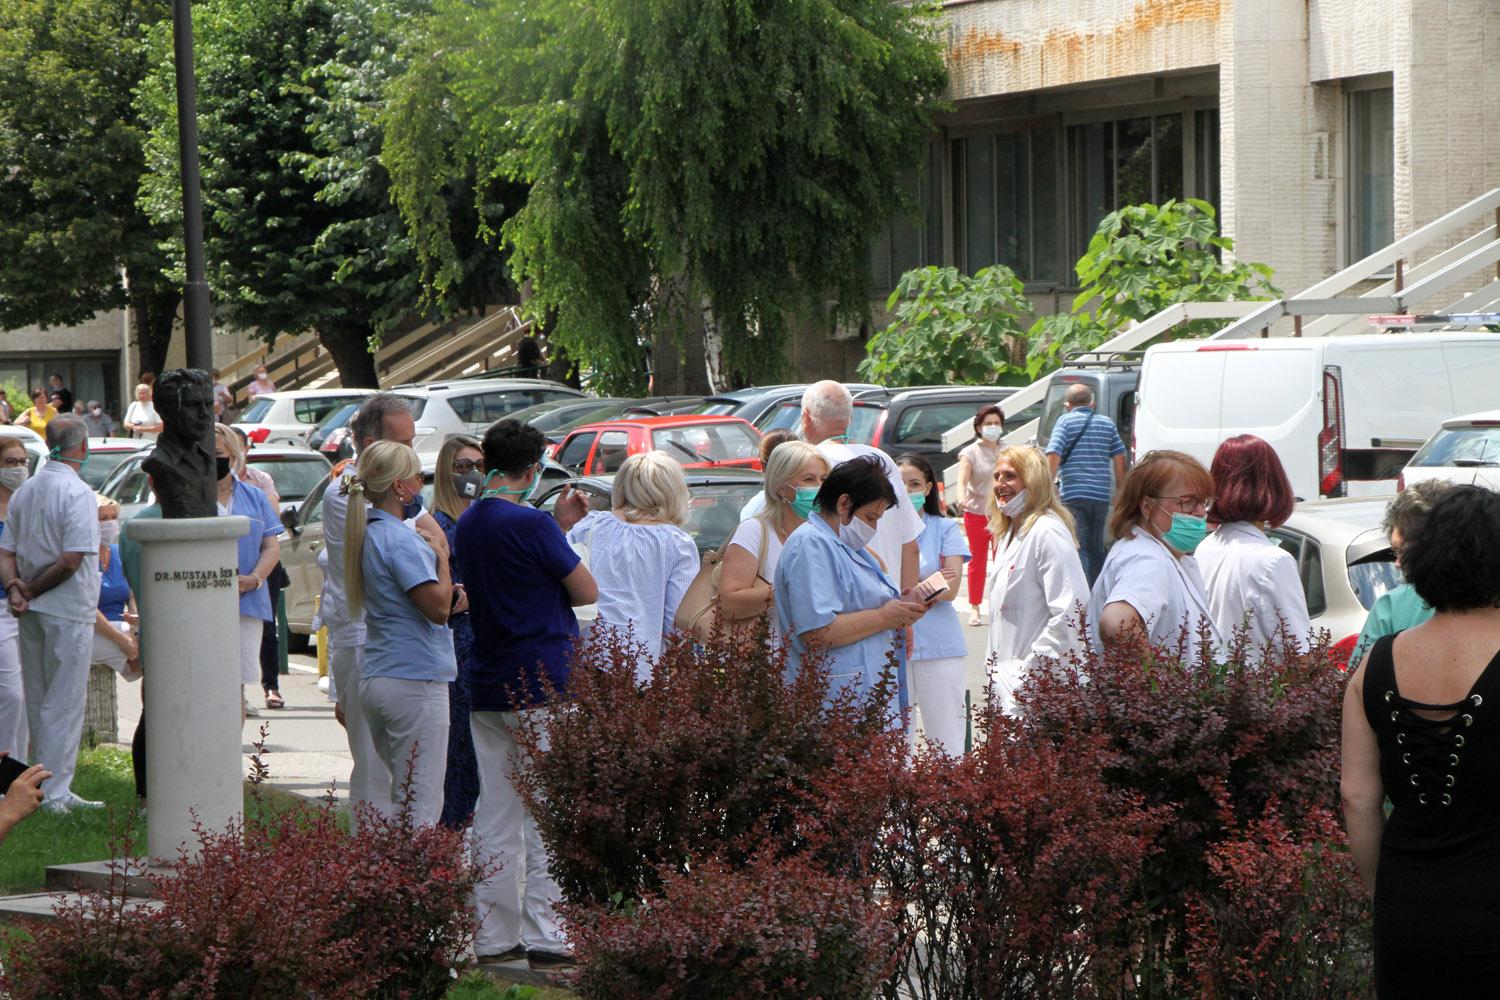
976, 470
1252, 582
1150, 589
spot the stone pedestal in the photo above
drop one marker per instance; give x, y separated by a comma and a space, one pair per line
189, 608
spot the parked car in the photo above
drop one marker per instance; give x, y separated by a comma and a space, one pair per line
1464, 450
304, 540
1345, 562
295, 471
1112, 377
694, 441
914, 419
1344, 413
282, 419
787, 416
331, 436
651, 406
106, 454
36, 448
566, 413
752, 402
715, 499
470, 406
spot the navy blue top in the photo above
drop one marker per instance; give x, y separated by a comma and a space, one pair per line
512, 559
114, 591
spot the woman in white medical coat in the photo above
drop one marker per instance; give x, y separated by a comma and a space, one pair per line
1252, 583
1037, 586
1150, 588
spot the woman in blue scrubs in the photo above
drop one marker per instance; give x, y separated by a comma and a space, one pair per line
832, 594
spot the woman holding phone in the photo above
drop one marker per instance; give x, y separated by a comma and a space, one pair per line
938, 647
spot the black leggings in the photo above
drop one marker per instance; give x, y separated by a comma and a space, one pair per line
138, 755
270, 645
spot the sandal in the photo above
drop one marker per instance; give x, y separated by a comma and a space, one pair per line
273, 700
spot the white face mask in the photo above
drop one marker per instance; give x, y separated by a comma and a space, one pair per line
1015, 505
12, 478
97, 411
992, 432
109, 532
856, 534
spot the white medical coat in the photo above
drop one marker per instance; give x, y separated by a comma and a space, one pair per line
1253, 583
1164, 589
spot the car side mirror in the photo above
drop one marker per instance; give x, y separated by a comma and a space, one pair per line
289, 522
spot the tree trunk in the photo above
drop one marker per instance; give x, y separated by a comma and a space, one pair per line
153, 314
349, 347
713, 350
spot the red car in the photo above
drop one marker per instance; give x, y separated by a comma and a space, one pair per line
694, 440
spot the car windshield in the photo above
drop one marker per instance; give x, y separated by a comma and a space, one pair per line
714, 512
1460, 446
100, 464
295, 478
786, 417
338, 418
608, 411
1373, 578
709, 444
256, 411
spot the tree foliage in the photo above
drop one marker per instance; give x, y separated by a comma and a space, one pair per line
716, 169
949, 328
299, 228
72, 143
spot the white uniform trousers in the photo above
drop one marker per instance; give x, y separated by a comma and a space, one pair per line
55, 656
517, 904
369, 779
938, 686
13, 728
408, 723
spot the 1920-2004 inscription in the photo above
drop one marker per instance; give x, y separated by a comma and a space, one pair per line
199, 579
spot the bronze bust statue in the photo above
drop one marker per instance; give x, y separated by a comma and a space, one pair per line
181, 465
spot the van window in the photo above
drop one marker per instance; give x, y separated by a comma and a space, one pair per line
1184, 388
1266, 388
1052, 405
926, 422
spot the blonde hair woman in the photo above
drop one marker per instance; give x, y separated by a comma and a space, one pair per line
794, 472
638, 552
399, 575
1037, 586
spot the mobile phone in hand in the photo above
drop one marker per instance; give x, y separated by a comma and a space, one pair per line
10, 770
930, 589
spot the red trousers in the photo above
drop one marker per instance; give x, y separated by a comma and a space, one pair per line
977, 530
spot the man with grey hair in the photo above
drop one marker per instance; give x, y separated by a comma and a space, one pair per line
827, 409
1402, 607
49, 566
383, 417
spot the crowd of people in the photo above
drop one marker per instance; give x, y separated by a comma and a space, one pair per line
140, 419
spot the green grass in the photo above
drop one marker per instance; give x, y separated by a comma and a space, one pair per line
94, 834
478, 986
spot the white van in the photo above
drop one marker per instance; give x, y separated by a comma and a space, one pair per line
1344, 413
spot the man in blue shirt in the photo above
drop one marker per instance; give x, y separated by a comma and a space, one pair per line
1084, 450
523, 581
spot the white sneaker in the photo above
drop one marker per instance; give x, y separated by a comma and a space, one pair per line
69, 802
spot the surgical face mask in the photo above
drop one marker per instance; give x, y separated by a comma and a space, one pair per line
221, 467
12, 478
109, 532
992, 432
468, 484
856, 534
918, 500
522, 493
1015, 505
97, 412
57, 456
804, 500
1186, 532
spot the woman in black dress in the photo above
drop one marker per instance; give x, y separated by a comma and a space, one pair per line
1422, 728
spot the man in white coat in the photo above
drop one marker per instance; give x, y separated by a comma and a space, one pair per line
49, 566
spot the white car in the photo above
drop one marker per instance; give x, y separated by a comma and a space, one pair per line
284, 419
1344, 559
1465, 450
108, 454
469, 406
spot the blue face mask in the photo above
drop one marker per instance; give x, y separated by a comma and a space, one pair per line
57, 456
1186, 532
412, 507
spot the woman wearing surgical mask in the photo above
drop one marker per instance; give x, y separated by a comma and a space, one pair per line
397, 574
259, 550
938, 648
1038, 589
14, 470
114, 644
260, 383
463, 461
1150, 588
831, 592
976, 468
794, 472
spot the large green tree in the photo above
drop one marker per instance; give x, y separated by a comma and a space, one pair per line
73, 240
701, 174
299, 227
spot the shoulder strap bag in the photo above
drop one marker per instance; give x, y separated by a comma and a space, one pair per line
1068, 451
698, 614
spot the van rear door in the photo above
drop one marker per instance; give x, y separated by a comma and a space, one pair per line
1274, 393
1397, 393
1180, 388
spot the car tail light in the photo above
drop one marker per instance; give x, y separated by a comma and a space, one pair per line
333, 442
1339, 652
258, 435
1331, 438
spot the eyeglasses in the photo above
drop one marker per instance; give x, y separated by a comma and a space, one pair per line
1186, 504
12, 463
463, 465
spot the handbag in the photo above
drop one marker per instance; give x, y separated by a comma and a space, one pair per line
698, 613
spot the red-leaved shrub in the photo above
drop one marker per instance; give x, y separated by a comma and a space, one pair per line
777, 927
1217, 743
289, 908
1288, 920
714, 757
1012, 869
